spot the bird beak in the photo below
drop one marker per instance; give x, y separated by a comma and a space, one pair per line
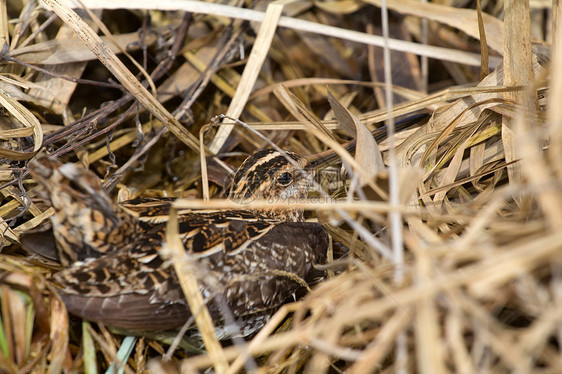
330, 156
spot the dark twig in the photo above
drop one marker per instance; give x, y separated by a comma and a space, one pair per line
5, 56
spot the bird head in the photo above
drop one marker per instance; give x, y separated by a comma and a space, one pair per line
279, 178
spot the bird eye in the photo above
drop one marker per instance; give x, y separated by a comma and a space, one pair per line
285, 179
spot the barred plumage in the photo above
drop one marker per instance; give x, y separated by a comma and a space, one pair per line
250, 259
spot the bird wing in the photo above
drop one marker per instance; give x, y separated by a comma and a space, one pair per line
137, 289
151, 210
204, 234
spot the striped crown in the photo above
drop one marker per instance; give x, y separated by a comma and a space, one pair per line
272, 176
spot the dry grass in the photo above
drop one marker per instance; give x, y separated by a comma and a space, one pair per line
461, 273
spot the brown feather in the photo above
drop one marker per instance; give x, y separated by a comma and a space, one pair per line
252, 260
150, 290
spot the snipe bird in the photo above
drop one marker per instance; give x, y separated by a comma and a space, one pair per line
249, 259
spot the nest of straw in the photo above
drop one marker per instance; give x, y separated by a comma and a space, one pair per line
452, 265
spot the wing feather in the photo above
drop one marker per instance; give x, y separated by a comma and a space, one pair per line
134, 289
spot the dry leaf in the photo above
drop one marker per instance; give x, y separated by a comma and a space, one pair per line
367, 153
